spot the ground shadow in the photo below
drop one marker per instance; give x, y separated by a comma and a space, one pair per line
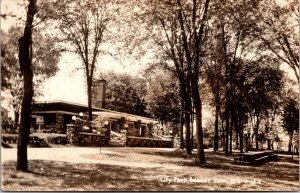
70, 176
67, 176
285, 168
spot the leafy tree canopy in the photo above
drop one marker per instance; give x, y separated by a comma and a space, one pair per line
163, 96
125, 93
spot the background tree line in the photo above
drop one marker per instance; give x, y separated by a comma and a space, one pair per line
237, 48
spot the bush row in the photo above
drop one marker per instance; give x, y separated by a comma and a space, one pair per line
35, 140
9, 139
147, 142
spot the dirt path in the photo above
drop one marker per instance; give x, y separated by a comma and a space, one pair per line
68, 154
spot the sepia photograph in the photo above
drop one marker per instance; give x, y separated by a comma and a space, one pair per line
149, 95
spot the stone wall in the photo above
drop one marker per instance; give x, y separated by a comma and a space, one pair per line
72, 133
91, 139
85, 138
59, 124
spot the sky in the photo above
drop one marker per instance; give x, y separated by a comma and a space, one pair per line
69, 84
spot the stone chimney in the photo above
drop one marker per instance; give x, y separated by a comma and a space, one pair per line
98, 93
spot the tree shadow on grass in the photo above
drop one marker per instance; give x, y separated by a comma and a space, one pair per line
285, 168
64, 176
169, 154
282, 169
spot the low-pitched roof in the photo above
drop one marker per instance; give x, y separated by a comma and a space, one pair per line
41, 107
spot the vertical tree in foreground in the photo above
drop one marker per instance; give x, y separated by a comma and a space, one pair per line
183, 26
193, 29
35, 58
82, 28
25, 60
165, 35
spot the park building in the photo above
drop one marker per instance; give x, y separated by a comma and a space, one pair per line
69, 121
122, 128
54, 116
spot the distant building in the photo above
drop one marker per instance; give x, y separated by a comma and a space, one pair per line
53, 116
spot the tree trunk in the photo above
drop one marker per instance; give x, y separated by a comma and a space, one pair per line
268, 140
17, 117
226, 131
188, 109
267, 129
200, 157
89, 91
230, 135
290, 141
236, 137
237, 128
192, 130
227, 113
25, 60
23, 137
241, 129
181, 129
183, 96
256, 133
188, 127
223, 134
216, 136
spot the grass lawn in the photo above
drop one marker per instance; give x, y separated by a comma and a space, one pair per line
125, 168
